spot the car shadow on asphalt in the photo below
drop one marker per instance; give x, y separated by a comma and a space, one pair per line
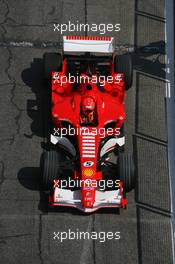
39, 109
39, 112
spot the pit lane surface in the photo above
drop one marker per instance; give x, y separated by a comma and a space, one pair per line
26, 225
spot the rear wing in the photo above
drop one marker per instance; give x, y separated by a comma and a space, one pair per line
88, 44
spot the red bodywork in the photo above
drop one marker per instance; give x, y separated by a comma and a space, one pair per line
66, 106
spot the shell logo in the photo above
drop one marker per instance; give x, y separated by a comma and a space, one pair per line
88, 172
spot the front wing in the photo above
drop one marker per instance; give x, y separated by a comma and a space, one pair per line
103, 199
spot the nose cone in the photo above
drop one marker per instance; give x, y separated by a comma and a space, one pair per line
88, 197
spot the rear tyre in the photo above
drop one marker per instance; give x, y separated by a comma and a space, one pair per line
52, 62
123, 64
126, 170
49, 168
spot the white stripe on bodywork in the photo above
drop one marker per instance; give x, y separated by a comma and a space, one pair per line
90, 148
88, 156
88, 137
89, 151
88, 144
89, 140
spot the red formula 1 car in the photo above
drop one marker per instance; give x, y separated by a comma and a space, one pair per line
87, 166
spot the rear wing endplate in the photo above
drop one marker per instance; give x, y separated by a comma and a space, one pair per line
88, 44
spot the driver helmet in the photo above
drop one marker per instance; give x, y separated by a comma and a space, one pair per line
88, 105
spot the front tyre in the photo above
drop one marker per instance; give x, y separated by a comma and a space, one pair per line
126, 171
49, 168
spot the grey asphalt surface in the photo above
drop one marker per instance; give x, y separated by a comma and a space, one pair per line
26, 225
